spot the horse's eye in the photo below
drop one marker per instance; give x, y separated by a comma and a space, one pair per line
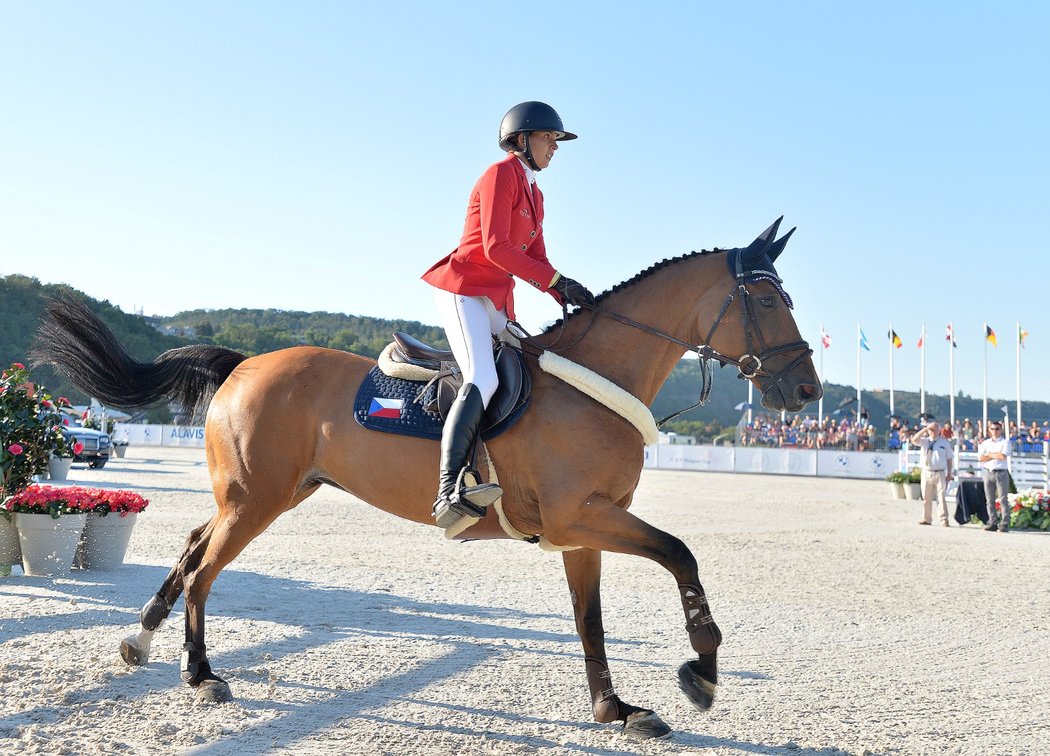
765, 301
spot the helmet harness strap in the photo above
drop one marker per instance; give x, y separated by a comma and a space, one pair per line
527, 152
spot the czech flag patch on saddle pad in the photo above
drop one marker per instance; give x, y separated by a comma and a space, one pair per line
384, 407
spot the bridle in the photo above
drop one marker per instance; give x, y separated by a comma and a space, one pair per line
749, 365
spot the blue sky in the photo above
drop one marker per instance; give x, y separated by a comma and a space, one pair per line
318, 156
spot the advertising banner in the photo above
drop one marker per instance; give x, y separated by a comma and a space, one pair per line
160, 435
757, 459
844, 464
684, 457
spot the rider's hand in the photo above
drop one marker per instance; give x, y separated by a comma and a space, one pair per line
573, 292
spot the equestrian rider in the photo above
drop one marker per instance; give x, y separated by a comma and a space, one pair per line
502, 238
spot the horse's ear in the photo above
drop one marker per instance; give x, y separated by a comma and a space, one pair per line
769, 234
778, 246
758, 247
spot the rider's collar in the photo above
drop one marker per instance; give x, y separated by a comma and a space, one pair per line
529, 173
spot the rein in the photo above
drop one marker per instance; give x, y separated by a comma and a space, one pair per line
749, 365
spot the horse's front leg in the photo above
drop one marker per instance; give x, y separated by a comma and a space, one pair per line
583, 569
600, 525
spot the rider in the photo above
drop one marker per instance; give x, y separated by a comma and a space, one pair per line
502, 238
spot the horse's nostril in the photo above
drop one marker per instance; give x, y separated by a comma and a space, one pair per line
807, 392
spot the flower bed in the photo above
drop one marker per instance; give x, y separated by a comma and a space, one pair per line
59, 500
1031, 509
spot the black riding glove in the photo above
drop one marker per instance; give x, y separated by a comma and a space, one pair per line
573, 292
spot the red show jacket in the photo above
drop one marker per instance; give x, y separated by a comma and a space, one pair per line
502, 238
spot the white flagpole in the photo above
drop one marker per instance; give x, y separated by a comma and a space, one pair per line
951, 374
750, 400
820, 402
858, 372
892, 348
922, 374
1018, 374
985, 387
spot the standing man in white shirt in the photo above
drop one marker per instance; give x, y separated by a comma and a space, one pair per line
992, 454
937, 456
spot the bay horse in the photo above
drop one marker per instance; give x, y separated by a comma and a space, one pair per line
280, 425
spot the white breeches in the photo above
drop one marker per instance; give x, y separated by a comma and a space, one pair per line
469, 325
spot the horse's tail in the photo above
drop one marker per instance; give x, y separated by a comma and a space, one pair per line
73, 339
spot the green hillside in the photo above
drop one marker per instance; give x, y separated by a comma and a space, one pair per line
22, 301
252, 332
258, 331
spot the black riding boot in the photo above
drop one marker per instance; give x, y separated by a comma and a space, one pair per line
457, 447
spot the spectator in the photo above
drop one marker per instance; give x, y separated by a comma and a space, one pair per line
995, 470
936, 470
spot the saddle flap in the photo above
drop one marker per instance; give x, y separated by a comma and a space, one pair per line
515, 386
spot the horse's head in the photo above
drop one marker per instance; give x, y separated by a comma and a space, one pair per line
756, 331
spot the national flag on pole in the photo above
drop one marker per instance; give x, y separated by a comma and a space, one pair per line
921, 339
389, 408
1022, 334
864, 342
895, 339
825, 337
990, 335
950, 335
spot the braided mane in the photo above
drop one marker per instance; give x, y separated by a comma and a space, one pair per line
635, 279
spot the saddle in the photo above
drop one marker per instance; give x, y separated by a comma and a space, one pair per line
408, 358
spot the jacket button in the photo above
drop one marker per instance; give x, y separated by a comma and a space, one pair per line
524, 247
532, 233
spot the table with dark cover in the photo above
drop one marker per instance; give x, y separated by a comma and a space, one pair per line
969, 500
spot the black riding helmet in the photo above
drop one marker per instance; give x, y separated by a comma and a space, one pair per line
530, 116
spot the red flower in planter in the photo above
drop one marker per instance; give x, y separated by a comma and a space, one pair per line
78, 447
57, 500
15, 449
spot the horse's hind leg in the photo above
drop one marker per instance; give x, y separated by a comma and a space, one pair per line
232, 528
135, 648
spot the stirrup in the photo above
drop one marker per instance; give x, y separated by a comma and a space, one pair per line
479, 495
465, 501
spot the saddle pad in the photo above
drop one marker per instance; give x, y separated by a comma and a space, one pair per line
389, 404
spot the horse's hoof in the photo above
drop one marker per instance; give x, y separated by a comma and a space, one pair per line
213, 691
697, 687
133, 654
645, 725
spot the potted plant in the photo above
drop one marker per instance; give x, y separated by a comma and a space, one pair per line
119, 448
10, 551
62, 459
897, 480
30, 426
913, 489
49, 522
108, 530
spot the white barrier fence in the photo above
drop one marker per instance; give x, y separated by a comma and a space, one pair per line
755, 459
1028, 470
